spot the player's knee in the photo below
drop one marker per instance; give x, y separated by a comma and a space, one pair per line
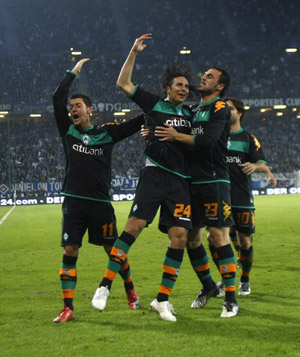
134, 226
178, 237
194, 238
210, 239
71, 250
245, 242
219, 237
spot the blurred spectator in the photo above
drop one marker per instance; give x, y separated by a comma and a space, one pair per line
238, 34
229, 34
37, 154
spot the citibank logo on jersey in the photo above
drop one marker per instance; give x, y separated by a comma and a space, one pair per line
88, 151
175, 121
197, 131
233, 160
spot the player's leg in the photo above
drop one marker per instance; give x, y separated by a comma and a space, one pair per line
120, 249
68, 279
175, 219
245, 226
143, 210
196, 251
237, 214
68, 274
218, 218
246, 257
125, 273
201, 196
227, 268
74, 225
117, 257
73, 229
234, 239
203, 210
171, 268
212, 249
200, 263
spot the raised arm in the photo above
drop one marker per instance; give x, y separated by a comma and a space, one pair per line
79, 65
60, 98
63, 88
124, 81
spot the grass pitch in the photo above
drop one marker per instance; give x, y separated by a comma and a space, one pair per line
268, 324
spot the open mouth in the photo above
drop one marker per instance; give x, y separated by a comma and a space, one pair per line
75, 116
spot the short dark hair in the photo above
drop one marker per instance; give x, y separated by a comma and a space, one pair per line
175, 71
239, 105
86, 99
224, 79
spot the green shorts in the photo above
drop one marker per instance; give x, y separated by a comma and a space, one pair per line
244, 220
211, 205
160, 188
81, 215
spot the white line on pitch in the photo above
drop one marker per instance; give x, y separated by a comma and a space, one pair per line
7, 214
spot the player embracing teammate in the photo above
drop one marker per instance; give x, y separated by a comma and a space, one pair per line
183, 143
210, 188
210, 193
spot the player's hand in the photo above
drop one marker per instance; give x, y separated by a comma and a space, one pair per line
79, 65
139, 44
144, 132
273, 181
166, 133
248, 168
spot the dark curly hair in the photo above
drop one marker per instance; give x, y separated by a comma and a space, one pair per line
239, 105
86, 99
174, 71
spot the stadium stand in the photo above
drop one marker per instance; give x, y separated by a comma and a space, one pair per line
35, 45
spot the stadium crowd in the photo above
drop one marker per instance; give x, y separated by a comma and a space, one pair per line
37, 154
42, 43
34, 64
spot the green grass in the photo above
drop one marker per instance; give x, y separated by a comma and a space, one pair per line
268, 324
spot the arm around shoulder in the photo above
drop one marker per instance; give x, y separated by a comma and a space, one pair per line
168, 133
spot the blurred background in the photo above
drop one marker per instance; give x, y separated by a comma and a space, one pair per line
257, 42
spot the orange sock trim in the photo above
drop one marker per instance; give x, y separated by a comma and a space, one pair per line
200, 268
109, 274
117, 252
129, 280
170, 270
227, 268
68, 272
165, 290
125, 266
68, 294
